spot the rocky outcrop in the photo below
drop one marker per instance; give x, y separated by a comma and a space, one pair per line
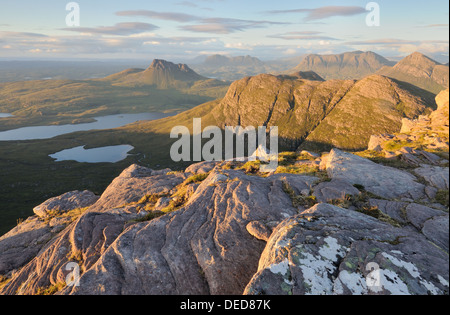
307, 254
320, 115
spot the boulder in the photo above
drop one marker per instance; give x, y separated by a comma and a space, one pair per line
66, 202
386, 182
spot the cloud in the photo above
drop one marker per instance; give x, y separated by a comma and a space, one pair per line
21, 34
169, 16
325, 12
226, 25
394, 42
214, 25
304, 35
121, 29
437, 25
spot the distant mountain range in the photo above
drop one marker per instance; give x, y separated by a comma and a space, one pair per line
351, 65
230, 68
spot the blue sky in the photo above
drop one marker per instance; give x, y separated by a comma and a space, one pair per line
179, 29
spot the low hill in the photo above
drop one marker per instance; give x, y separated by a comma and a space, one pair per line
421, 71
162, 87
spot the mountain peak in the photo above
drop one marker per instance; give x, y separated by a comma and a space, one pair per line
160, 64
418, 58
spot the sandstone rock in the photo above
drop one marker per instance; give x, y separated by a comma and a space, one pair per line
162, 203
23, 243
386, 182
259, 230
201, 168
330, 250
134, 183
407, 125
376, 142
66, 202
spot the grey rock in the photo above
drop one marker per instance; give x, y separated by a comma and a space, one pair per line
395, 209
329, 250
386, 182
417, 214
335, 189
436, 229
434, 175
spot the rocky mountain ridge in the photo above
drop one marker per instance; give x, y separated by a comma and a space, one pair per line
317, 114
313, 227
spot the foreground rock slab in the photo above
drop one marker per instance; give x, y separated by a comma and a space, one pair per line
203, 248
329, 250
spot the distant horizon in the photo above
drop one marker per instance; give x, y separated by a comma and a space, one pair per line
444, 59
174, 30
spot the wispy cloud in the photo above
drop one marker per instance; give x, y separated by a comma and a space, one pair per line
226, 25
168, 16
122, 29
213, 25
324, 12
20, 34
303, 35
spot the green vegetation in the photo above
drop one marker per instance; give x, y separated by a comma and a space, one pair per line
198, 178
51, 289
35, 103
71, 215
442, 197
299, 200
4, 281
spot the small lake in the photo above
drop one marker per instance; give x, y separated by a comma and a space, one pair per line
112, 154
104, 122
4, 115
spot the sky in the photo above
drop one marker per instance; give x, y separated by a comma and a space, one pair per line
183, 30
